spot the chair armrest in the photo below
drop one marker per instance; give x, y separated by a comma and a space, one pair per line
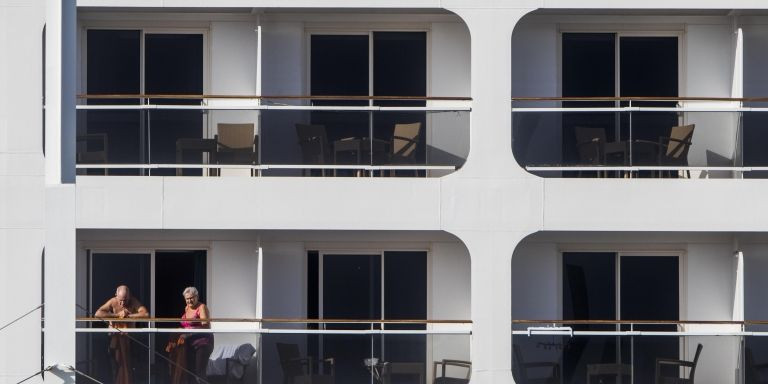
669, 139
649, 142
680, 363
591, 142
303, 360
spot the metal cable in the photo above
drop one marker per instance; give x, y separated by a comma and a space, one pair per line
21, 317
62, 367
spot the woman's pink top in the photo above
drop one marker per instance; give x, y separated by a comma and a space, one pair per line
192, 324
196, 339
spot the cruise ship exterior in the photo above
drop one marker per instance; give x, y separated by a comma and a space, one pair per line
384, 191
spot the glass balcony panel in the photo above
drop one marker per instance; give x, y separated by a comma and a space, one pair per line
229, 138
756, 355
629, 143
625, 358
281, 352
319, 139
110, 137
108, 356
755, 140
437, 141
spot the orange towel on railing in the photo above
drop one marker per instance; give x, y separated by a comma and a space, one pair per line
120, 347
177, 352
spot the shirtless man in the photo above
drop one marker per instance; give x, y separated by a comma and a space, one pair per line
122, 306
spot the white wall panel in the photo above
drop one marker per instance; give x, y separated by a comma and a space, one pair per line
708, 296
119, 202
21, 77
535, 284
233, 278
660, 204
285, 280
321, 203
536, 137
450, 282
709, 282
283, 73
232, 286
708, 72
21, 202
233, 70
20, 284
449, 75
233, 58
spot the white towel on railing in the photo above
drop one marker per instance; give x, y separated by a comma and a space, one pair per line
238, 355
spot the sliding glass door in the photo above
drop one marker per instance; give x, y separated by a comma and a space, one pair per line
133, 62
390, 285
617, 286
618, 65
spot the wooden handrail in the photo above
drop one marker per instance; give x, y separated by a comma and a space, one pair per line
270, 320
643, 98
604, 322
262, 97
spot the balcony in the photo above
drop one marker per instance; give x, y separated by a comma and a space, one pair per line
639, 137
596, 307
640, 352
272, 92
241, 136
377, 307
640, 93
291, 350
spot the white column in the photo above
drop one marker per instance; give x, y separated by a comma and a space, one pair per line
60, 67
491, 90
493, 202
491, 347
60, 265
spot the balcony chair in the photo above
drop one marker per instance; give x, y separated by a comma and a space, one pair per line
675, 365
405, 141
445, 363
192, 146
313, 141
594, 149
302, 370
87, 156
673, 150
520, 370
237, 144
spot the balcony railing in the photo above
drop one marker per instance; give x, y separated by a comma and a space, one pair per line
276, 350
607, 351
641, 137
215, 135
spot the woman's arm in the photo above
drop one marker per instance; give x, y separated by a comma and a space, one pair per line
204, 314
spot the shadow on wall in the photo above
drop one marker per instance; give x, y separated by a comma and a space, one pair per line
717, 160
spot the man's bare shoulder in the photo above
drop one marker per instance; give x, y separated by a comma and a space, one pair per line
112, 302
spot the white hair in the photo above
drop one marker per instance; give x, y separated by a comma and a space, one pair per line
190, 290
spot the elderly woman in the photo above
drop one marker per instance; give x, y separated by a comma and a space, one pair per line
192, 349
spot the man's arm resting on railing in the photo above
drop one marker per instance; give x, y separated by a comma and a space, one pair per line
106, 310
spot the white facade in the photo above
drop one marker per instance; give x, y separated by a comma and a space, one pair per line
493, 233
